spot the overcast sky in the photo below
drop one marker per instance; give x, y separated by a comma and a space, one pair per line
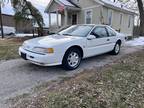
40, 2
41, 5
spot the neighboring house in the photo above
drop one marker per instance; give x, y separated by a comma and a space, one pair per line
21, 27
91, 12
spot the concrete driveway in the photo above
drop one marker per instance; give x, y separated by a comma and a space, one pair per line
18, 76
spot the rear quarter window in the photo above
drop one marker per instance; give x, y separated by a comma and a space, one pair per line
111, 32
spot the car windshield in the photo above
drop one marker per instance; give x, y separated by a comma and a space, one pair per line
77, 30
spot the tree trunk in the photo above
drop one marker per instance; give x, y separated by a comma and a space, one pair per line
40, 26
1, 23
141, 11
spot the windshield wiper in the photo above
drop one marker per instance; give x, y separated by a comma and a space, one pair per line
67, 34
58, 34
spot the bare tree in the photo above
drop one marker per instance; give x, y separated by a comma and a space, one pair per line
25, 10
141, 12
2, 34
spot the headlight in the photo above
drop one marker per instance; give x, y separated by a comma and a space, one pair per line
24, 45
43, 50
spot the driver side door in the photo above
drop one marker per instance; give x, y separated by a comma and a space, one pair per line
99, 44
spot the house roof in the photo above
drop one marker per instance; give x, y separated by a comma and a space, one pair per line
108, 3
117, 5
66, 3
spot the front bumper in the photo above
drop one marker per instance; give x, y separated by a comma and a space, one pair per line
42, 60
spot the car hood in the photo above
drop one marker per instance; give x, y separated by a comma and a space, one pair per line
52, 40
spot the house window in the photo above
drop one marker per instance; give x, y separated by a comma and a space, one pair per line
110, 17
129, 22
121, 16
88, 16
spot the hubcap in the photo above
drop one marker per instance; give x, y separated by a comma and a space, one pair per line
73, 59
117, 48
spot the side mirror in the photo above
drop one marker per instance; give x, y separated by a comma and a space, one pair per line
91, 37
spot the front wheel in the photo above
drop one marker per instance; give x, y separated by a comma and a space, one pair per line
116, 49
72, 59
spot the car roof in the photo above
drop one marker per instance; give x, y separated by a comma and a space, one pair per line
94, 25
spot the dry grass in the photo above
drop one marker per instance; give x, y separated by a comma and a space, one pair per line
119, 85
9, 47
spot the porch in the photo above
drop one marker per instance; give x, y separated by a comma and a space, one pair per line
65, 16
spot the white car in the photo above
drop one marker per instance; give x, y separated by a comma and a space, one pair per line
71, 45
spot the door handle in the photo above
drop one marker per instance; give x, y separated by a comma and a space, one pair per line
108, 39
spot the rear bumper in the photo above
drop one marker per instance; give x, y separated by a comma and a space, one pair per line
42, 60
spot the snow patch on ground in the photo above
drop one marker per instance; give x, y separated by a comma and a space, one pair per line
24, 34
136, 42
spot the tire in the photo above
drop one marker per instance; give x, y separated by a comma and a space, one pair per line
116, 49
72, 59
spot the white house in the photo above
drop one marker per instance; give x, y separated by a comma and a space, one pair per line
91, 12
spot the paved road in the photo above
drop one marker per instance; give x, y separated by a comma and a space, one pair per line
18, 76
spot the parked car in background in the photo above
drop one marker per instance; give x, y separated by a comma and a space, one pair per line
71, 45
8, 30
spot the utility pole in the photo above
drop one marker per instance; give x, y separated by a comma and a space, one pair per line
1, 24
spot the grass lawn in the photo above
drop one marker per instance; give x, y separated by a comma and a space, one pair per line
9, 48
118, 85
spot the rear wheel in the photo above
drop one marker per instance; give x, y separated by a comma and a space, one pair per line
116, 49
72, 59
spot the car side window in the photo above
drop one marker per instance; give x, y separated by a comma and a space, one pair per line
100, 32
111, 32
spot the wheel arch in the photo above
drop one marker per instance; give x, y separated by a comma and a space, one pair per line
76, 46
119, 41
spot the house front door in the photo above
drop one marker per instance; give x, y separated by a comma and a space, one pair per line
74, 19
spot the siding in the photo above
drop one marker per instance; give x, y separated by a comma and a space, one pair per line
89, 4
123, 27
8, 20
96, 16
23, 26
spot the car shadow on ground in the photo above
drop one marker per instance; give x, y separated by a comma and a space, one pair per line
85, 64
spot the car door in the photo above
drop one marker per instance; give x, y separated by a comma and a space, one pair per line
112, 38
99, 44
